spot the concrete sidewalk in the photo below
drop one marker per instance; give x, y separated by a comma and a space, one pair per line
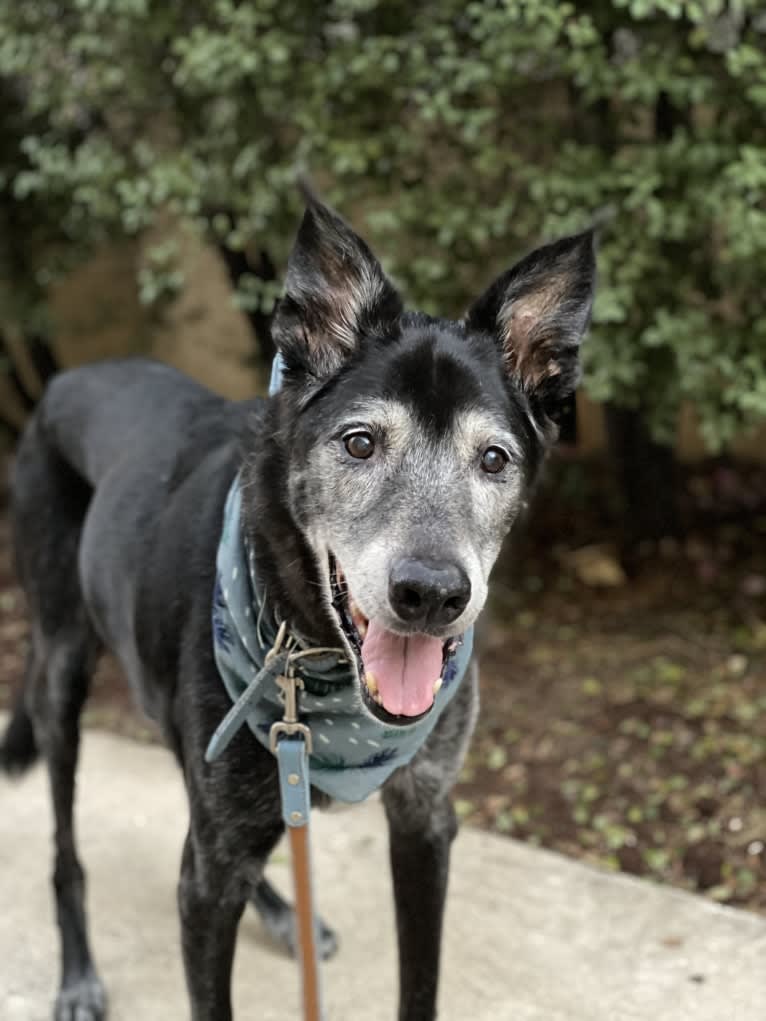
530, 936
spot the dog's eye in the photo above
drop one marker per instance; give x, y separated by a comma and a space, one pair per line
360, 445
493, 460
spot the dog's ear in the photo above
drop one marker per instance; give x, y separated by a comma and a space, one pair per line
538, 311
336, 293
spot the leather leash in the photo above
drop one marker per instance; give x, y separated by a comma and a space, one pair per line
290, 741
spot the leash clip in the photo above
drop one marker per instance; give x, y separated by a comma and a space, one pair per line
289, 725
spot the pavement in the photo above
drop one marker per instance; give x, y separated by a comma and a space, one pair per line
530, 935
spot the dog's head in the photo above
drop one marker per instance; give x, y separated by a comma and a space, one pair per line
412, 441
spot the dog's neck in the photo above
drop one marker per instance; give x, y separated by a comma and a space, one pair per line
285, 564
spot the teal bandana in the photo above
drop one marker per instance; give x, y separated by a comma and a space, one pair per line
353, 753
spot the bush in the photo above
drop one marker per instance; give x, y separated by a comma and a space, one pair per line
455, 134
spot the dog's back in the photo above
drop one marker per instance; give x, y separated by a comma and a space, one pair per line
128, 413
105, 460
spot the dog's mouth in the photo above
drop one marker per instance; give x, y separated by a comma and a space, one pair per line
400, 675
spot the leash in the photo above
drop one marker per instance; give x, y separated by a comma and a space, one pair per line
291, 743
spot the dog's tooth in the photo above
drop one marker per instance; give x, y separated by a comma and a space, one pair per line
437, 685
359, 619
371, 681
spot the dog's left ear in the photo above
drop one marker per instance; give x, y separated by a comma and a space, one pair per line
336, 293
538, 312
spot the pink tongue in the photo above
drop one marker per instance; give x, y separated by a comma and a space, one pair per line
405, 668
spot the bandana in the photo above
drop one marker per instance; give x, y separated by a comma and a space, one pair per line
353, 753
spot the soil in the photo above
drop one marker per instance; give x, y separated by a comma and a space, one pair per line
623, 718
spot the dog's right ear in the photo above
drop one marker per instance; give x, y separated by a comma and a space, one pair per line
336, 293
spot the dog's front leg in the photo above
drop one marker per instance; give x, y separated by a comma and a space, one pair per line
211, 904
422, 826
421, 830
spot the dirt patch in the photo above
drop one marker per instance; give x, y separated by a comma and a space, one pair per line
623, 721
626, 725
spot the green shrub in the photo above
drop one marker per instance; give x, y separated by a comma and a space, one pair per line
454, 134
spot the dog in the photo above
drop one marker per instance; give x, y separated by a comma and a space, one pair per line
377, 487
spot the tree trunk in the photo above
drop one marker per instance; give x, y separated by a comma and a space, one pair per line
29, 364
647, 473
238, 265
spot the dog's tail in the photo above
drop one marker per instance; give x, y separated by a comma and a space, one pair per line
18, 750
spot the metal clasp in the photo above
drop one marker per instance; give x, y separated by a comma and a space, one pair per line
289, 725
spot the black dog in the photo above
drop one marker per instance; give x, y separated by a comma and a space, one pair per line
396, 456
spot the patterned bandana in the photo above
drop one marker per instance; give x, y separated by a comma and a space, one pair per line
353, 753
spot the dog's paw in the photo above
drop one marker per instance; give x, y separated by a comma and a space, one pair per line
279, 918
283, 930
81, 999
327, 940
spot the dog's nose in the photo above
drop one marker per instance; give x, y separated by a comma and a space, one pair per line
428, 592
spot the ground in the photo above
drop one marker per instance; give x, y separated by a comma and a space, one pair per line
623, 720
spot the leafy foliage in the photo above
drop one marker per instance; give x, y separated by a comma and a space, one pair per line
455, 134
